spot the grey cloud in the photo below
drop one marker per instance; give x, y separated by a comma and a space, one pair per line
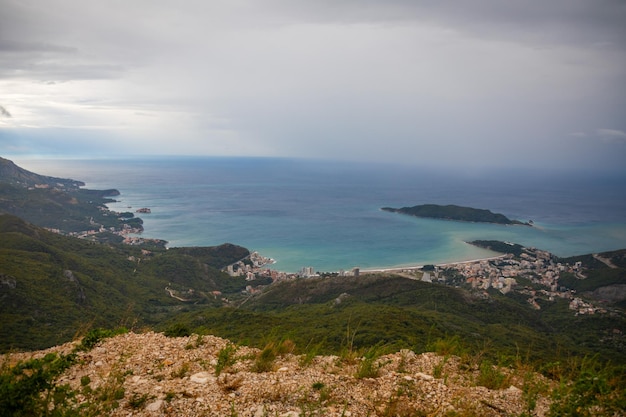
439, 80
4, 112
18, 46
599, 22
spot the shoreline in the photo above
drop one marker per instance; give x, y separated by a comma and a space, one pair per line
417, 267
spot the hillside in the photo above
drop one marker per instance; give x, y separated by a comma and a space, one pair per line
150, 374
53, 287
454, 212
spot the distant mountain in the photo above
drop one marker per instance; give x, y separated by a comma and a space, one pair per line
453, 212
13, 174
60, 204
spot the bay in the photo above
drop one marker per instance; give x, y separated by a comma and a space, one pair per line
326, 214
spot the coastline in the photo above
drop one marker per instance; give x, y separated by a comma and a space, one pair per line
417, 267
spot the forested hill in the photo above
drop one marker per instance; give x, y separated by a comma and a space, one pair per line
54, 286
454, 212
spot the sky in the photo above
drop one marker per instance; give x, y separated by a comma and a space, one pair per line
526, 84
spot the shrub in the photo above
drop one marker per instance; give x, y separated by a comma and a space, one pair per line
28, 388
225, 358
490, 376
177, 330
590, 388
94, 336
265, 360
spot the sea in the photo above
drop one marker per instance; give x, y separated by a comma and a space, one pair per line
327, 214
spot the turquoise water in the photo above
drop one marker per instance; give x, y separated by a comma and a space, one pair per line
327, 214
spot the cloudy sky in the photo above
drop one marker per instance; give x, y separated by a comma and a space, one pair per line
477, 83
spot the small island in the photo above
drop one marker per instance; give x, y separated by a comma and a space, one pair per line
453, 212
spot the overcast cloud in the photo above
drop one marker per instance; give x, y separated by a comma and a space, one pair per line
480, 83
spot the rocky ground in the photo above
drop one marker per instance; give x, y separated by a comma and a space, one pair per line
152, 375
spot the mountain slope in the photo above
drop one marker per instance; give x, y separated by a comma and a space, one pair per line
53, 286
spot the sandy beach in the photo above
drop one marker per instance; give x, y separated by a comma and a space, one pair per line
417, 267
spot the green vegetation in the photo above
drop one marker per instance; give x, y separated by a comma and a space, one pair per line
453, 212
225, 358
29, 388
399, 313
498, 246
57, 287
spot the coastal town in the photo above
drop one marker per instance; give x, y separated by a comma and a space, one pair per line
533, 274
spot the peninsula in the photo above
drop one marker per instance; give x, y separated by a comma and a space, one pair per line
453, 212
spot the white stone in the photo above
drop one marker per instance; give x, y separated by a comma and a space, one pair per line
283, 369
201, 377
424, 376
408, 378
155, 406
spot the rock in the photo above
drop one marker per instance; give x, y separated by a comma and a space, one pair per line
424, 377
241, 391
155, 406
201, 377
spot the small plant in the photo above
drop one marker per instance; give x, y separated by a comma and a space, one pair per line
230, 382
196, 343
94, 336
318, 386
182, 371
531, 389
169, 396
348, 352
225, 358
85, 380
402, 362
138, 401
265, 360
369, 366
310, 353
438, 369
491, 377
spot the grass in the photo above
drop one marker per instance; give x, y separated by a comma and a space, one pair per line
490, 376
264, 361
225, 358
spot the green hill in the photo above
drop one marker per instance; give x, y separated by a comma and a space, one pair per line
53, 287
396, 312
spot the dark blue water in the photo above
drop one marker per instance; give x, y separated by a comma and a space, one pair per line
327, 214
